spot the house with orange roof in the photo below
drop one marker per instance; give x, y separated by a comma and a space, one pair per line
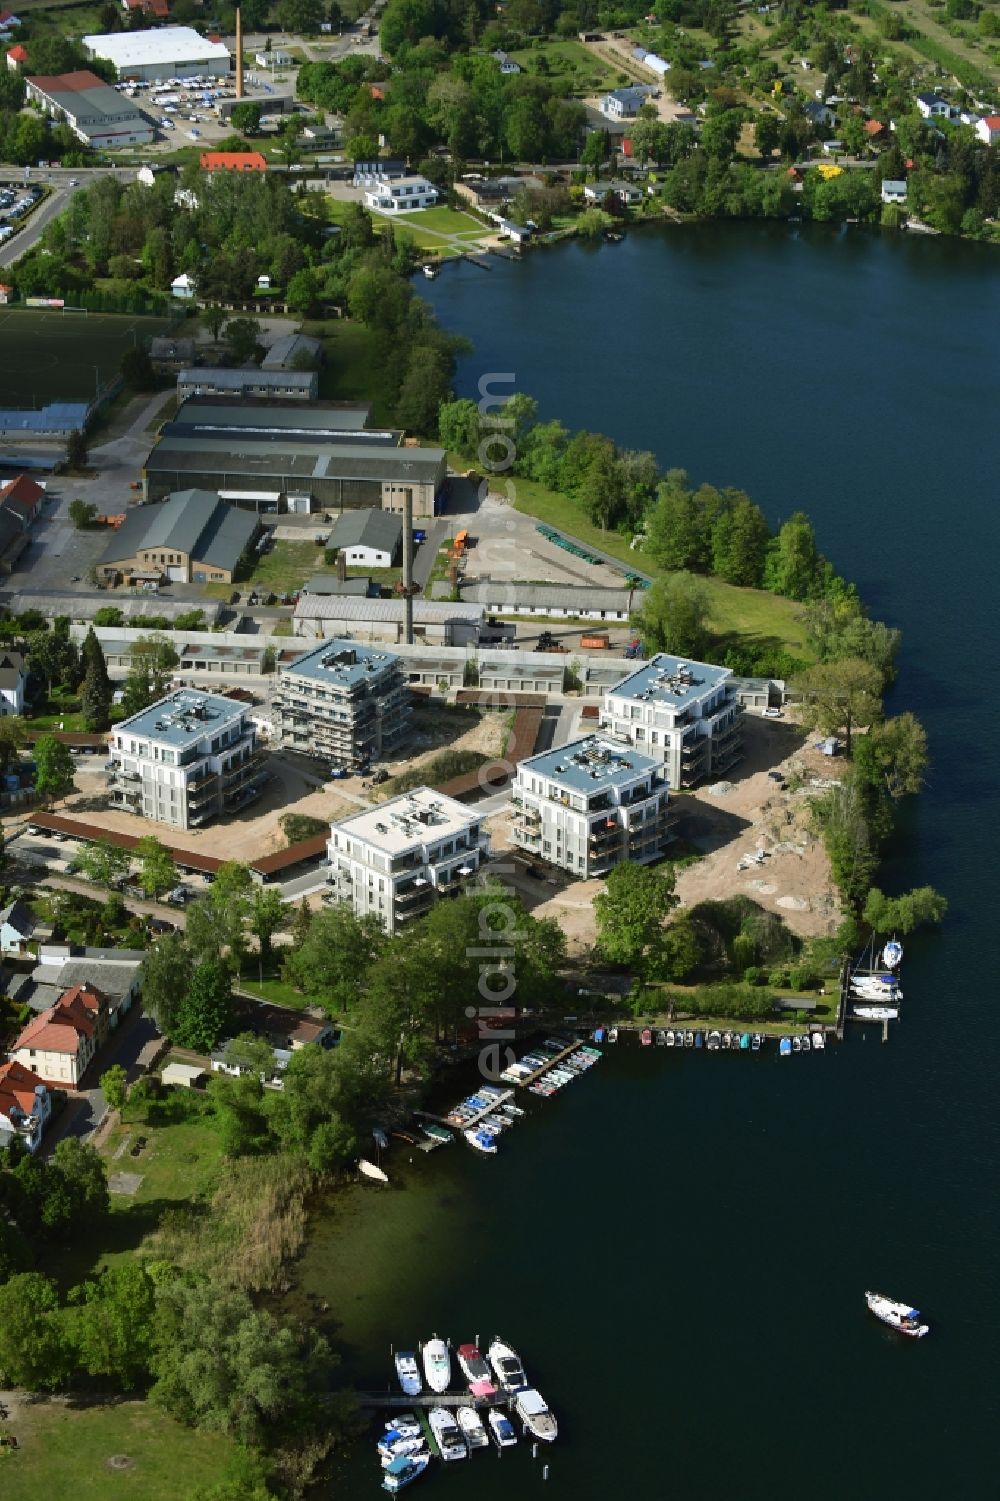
25, 1105
17, 56
60, 1044
23, 498
233, 161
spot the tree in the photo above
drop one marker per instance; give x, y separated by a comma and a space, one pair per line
630, 912
267, 913
313, 1098
246, 117
76, 450
204, 1010
673, 616
893, 755
595, 151
84, 1180
679, 950
115, 1324
841, 695
794, 563
137, 370
164, 981
54, 768
157, 871
215, 318
103, 862
54, 656
335, 955
13, 738
114, 1083
920, 908
95, 699
152, 659
301, 17
243, 339
34, 1350
82, 514
767, 134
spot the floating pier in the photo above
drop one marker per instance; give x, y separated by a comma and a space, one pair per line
473, 1121
397, 1401
553, 1062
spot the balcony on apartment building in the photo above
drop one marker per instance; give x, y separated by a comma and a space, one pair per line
413, 899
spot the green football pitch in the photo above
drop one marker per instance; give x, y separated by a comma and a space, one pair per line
47, 355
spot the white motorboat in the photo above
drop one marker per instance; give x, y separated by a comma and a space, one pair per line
612, 1034
818, 1042
502, 1429
474, 1367
437, 1365
391, 1444
534, 1413
507, 1365
369, 1170
892, 954
401, 1470
482, 1141
876, 1013
430, 271
408, 1373
448, 1434
898, 1316
406, 1426
472, 1428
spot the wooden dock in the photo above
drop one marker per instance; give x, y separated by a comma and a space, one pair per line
473, 1121
396, 1401
553, 1062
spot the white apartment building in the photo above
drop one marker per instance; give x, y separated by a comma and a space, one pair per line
344, 701
185, 760
590, 805
683, 714
396, 860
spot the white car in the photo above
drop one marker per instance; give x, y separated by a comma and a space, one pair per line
773, 714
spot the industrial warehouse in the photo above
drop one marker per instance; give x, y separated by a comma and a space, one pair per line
95, 112
160, 52
285, 456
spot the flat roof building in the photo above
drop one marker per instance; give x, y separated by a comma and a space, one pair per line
590, 805
284, 352
345, 702
162, 52
435, 622
186, 759
287, 385
96, 113
233, 161
685, 714
193, 537
565, 601
396, 860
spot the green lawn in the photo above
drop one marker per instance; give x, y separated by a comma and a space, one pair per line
279, 992
569, 62
53, 356
284, 568
353, 370
64, 1450
447, 221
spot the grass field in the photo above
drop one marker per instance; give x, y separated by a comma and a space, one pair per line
568, 62
353, 370
64, 1450
52, 356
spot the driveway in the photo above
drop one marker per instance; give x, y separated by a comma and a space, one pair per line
133, 1045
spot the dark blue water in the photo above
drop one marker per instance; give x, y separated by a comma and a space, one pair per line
679, 1245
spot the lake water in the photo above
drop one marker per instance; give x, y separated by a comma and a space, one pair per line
678, 1245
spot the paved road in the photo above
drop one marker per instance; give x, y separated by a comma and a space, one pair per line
59, 180
423, 560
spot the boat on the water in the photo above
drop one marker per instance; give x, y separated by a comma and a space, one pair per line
408, 1373
714, 1041
483, 1141
796, 1044
393, 1443
785, 1048
892, 954
613, 1034
430, 271
756, 1042
671, 1039
727, 1039
369, 1170
507, 1366
876, 1013
819, 1042
449, 1436
899, 1316
473, 1366
689, 1039
502, 1429
806, 1045
472, 1428
437, 1365
404, 1426
535, 1415
699, 1039
436, 1132
403, 1469
646, 1037
661, 1038
744, 1042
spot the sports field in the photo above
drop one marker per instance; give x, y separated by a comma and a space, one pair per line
47, 355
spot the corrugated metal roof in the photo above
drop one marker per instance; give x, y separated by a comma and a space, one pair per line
501, 595
193, 522
428, 612
382, 530
57, 417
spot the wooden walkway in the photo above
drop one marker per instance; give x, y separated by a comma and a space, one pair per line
396, 1401
473, 1121
553, 1062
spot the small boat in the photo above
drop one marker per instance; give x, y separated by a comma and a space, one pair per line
876, 1013
689, 1039
613, 1034
483, 1141
806, 1045
402, 1470
744, 1041
473, 1366
393, 1443
436, 1132
756, 1041
671, 1039
646, 1037
727, 1039
472, 1428
535, 1415
448, 1434
819, 1042
408, 1373
661, 1038
437, 1365
502, 1429
430, 271
785, 1047
507, 1366
892, 954
898, 1316
406, 1426
381, 1139
699, 1039
714, 1039
514, 1110
369, 1170
796, 1044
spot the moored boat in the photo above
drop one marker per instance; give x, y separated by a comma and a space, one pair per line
819, 1042
661, 1038
430, 271
393, 1443
892, 954
369, 1170
436, 1132
714, 1040
699, 1039
405, 1425
613, 1034
689, 1039
646, 1037
671, 1038
796, 1044
756, 1042
446, 1431
402, 1470
899, 1316
502, 1429
472, 1428
785, 1048
473, 1366
727, 1039
507, 1366
437, 1365
876, 1013
408, 1373
744, 1041
482, 1141
806, 1045
535, 1414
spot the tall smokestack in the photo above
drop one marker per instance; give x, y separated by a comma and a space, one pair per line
408, 563
239, 54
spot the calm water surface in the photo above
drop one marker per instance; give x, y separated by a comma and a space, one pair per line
678, 1246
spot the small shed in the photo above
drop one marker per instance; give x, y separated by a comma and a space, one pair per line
184, 1075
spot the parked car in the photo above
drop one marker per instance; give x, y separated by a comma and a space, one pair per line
160, 925
179, 896
772, 714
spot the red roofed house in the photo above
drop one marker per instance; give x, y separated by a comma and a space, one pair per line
22, 497
6, 292
233, 161
25, 1105
17, 56
873, 129
60, 1043
988, 130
